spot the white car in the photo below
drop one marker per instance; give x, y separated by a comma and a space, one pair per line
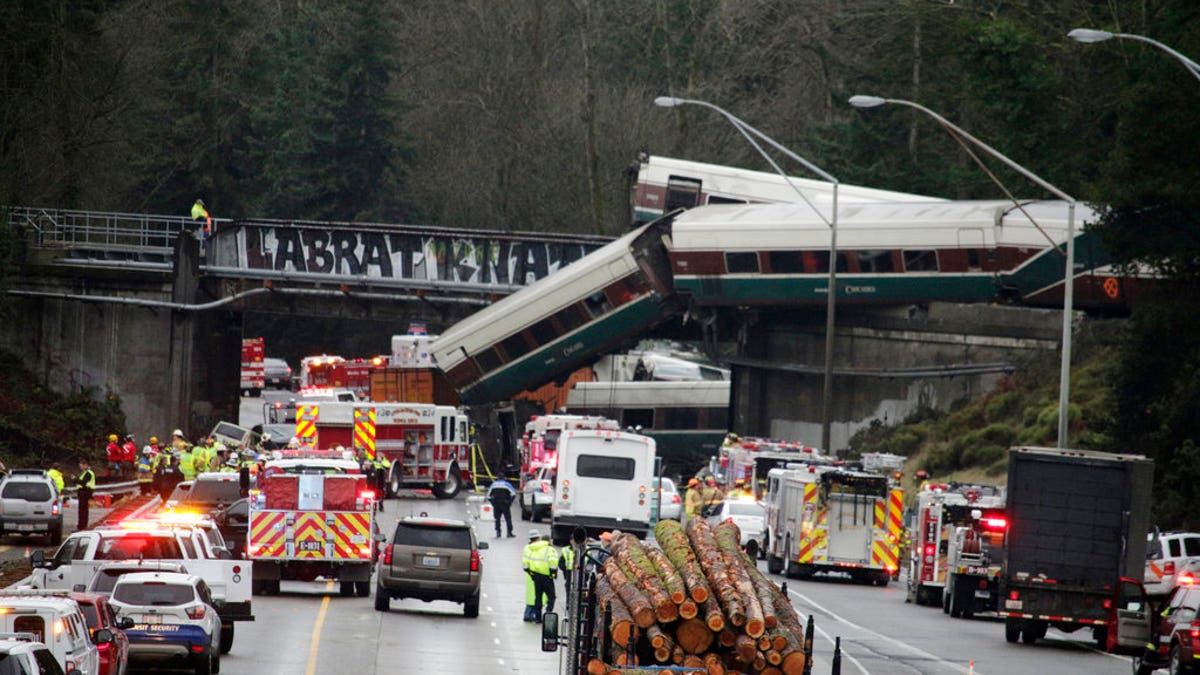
1167, 554
672, 504
20, 653
175, 623
749, 516
537, 494
55, 621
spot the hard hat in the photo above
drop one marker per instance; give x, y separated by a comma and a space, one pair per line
232, 461
129, 437
266, 437
178, 433
711, 480
154, 440
147, 451
112, 438
199, 201
534, 534
606, 536
740, 481
693, 482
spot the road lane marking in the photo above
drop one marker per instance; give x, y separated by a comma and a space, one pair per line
316, 634
920, 652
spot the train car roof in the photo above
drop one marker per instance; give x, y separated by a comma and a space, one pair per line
875, 225
652, 393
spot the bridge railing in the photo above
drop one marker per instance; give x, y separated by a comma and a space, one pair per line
64, 228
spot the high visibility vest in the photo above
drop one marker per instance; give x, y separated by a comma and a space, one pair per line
56, 476
692, 502
87, 479
187, 465
567, 560
542, 557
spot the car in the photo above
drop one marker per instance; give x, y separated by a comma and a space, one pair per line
1166, 554
105, 577
175, 622
1174, 634
209, 492
57, 622
750, 517
113, 645
537, 494
21, 654
672, 504
30, 504
430, 559
277, 373
178, 494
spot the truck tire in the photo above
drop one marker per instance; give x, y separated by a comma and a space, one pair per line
56, 535
449, 488
216, 664
383, 601
955, 609
1176, 665
346, 589
774, 564
1012, 630
273, 587
226, 637
362, 589
471, 607
394, 483
525, 514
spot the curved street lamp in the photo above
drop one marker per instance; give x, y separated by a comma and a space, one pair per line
831, 294
1089, 35
1064, 381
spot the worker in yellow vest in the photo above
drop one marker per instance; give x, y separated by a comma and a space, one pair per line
693, 501
187, 463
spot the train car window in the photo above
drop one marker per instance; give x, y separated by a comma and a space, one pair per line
920, 261
638, 417
682, 193
973, 259
571, 317
714, 199
718, 418
544, 332
681, 418
785, 262
515, 346
488, 360
597, 303
821, 259
741, 263
875, 261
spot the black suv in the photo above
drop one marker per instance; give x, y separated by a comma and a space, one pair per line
430, 559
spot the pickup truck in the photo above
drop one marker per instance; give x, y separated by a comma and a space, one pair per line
82, 553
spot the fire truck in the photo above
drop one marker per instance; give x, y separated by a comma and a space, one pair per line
307, 522
426, 446
352, 374
824, 519
751, 460
946, 536
539, 444
253, 373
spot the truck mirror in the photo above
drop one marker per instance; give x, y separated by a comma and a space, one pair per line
483, 546
38, 559
549, 632
103, 636
126, 622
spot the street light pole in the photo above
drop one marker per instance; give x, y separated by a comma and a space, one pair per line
1089, 35
831, 293
1064, 377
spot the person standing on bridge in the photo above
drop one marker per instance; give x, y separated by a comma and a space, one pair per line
201, 213
86, 481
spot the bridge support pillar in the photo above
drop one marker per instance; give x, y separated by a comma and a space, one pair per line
181, 359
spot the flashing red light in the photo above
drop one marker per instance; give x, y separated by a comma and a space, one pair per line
929, 548
367, 495
1185, 579
1108, 603
474, 561
995, 523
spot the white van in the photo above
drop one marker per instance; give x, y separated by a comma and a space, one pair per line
603, 483
57, 622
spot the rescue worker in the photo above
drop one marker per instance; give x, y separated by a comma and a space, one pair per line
187, 463
153, 447
55, 475
86, 482
566, 563
501, 493
381, 477
145, 472
166, 476
129, 455
201, 214
267, 444
246, 469
540, 561
112, 454
230, 466
693, 501
178, 442
740, 489
200, 457
712, 495
217, 463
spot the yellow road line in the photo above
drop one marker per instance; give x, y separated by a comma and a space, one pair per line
316, 634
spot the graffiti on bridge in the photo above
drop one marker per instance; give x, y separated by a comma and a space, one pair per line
390, 255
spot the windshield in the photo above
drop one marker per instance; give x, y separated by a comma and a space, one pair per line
139, 547
29, 491
213, 492
154, 593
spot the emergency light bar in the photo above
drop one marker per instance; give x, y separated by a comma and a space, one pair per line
995, 523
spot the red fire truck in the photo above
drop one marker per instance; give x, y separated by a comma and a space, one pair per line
253, 374
352, 374
426, 446
539, 444
305, 524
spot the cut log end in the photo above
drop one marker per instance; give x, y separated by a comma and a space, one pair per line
688, 610
755, 627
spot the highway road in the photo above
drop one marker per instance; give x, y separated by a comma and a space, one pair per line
308, 629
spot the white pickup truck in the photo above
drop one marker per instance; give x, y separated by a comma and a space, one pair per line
82, 553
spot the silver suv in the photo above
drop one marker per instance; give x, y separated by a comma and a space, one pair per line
430, 559
30, 504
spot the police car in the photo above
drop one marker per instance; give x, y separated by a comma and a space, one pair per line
175, 623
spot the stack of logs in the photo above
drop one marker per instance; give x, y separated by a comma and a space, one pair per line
698, 602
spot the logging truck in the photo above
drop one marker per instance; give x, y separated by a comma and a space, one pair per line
821, 519
695, 604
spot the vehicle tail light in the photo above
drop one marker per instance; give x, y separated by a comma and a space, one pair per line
675, 498
1108, 603
54, 508
197, 648
1169, 567
103, 647
1195, 630
70, 667
995, 523
1014, 595
983, 584
474, 561
196, 612
387, 555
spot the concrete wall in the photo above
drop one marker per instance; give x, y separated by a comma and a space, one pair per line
887, 364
